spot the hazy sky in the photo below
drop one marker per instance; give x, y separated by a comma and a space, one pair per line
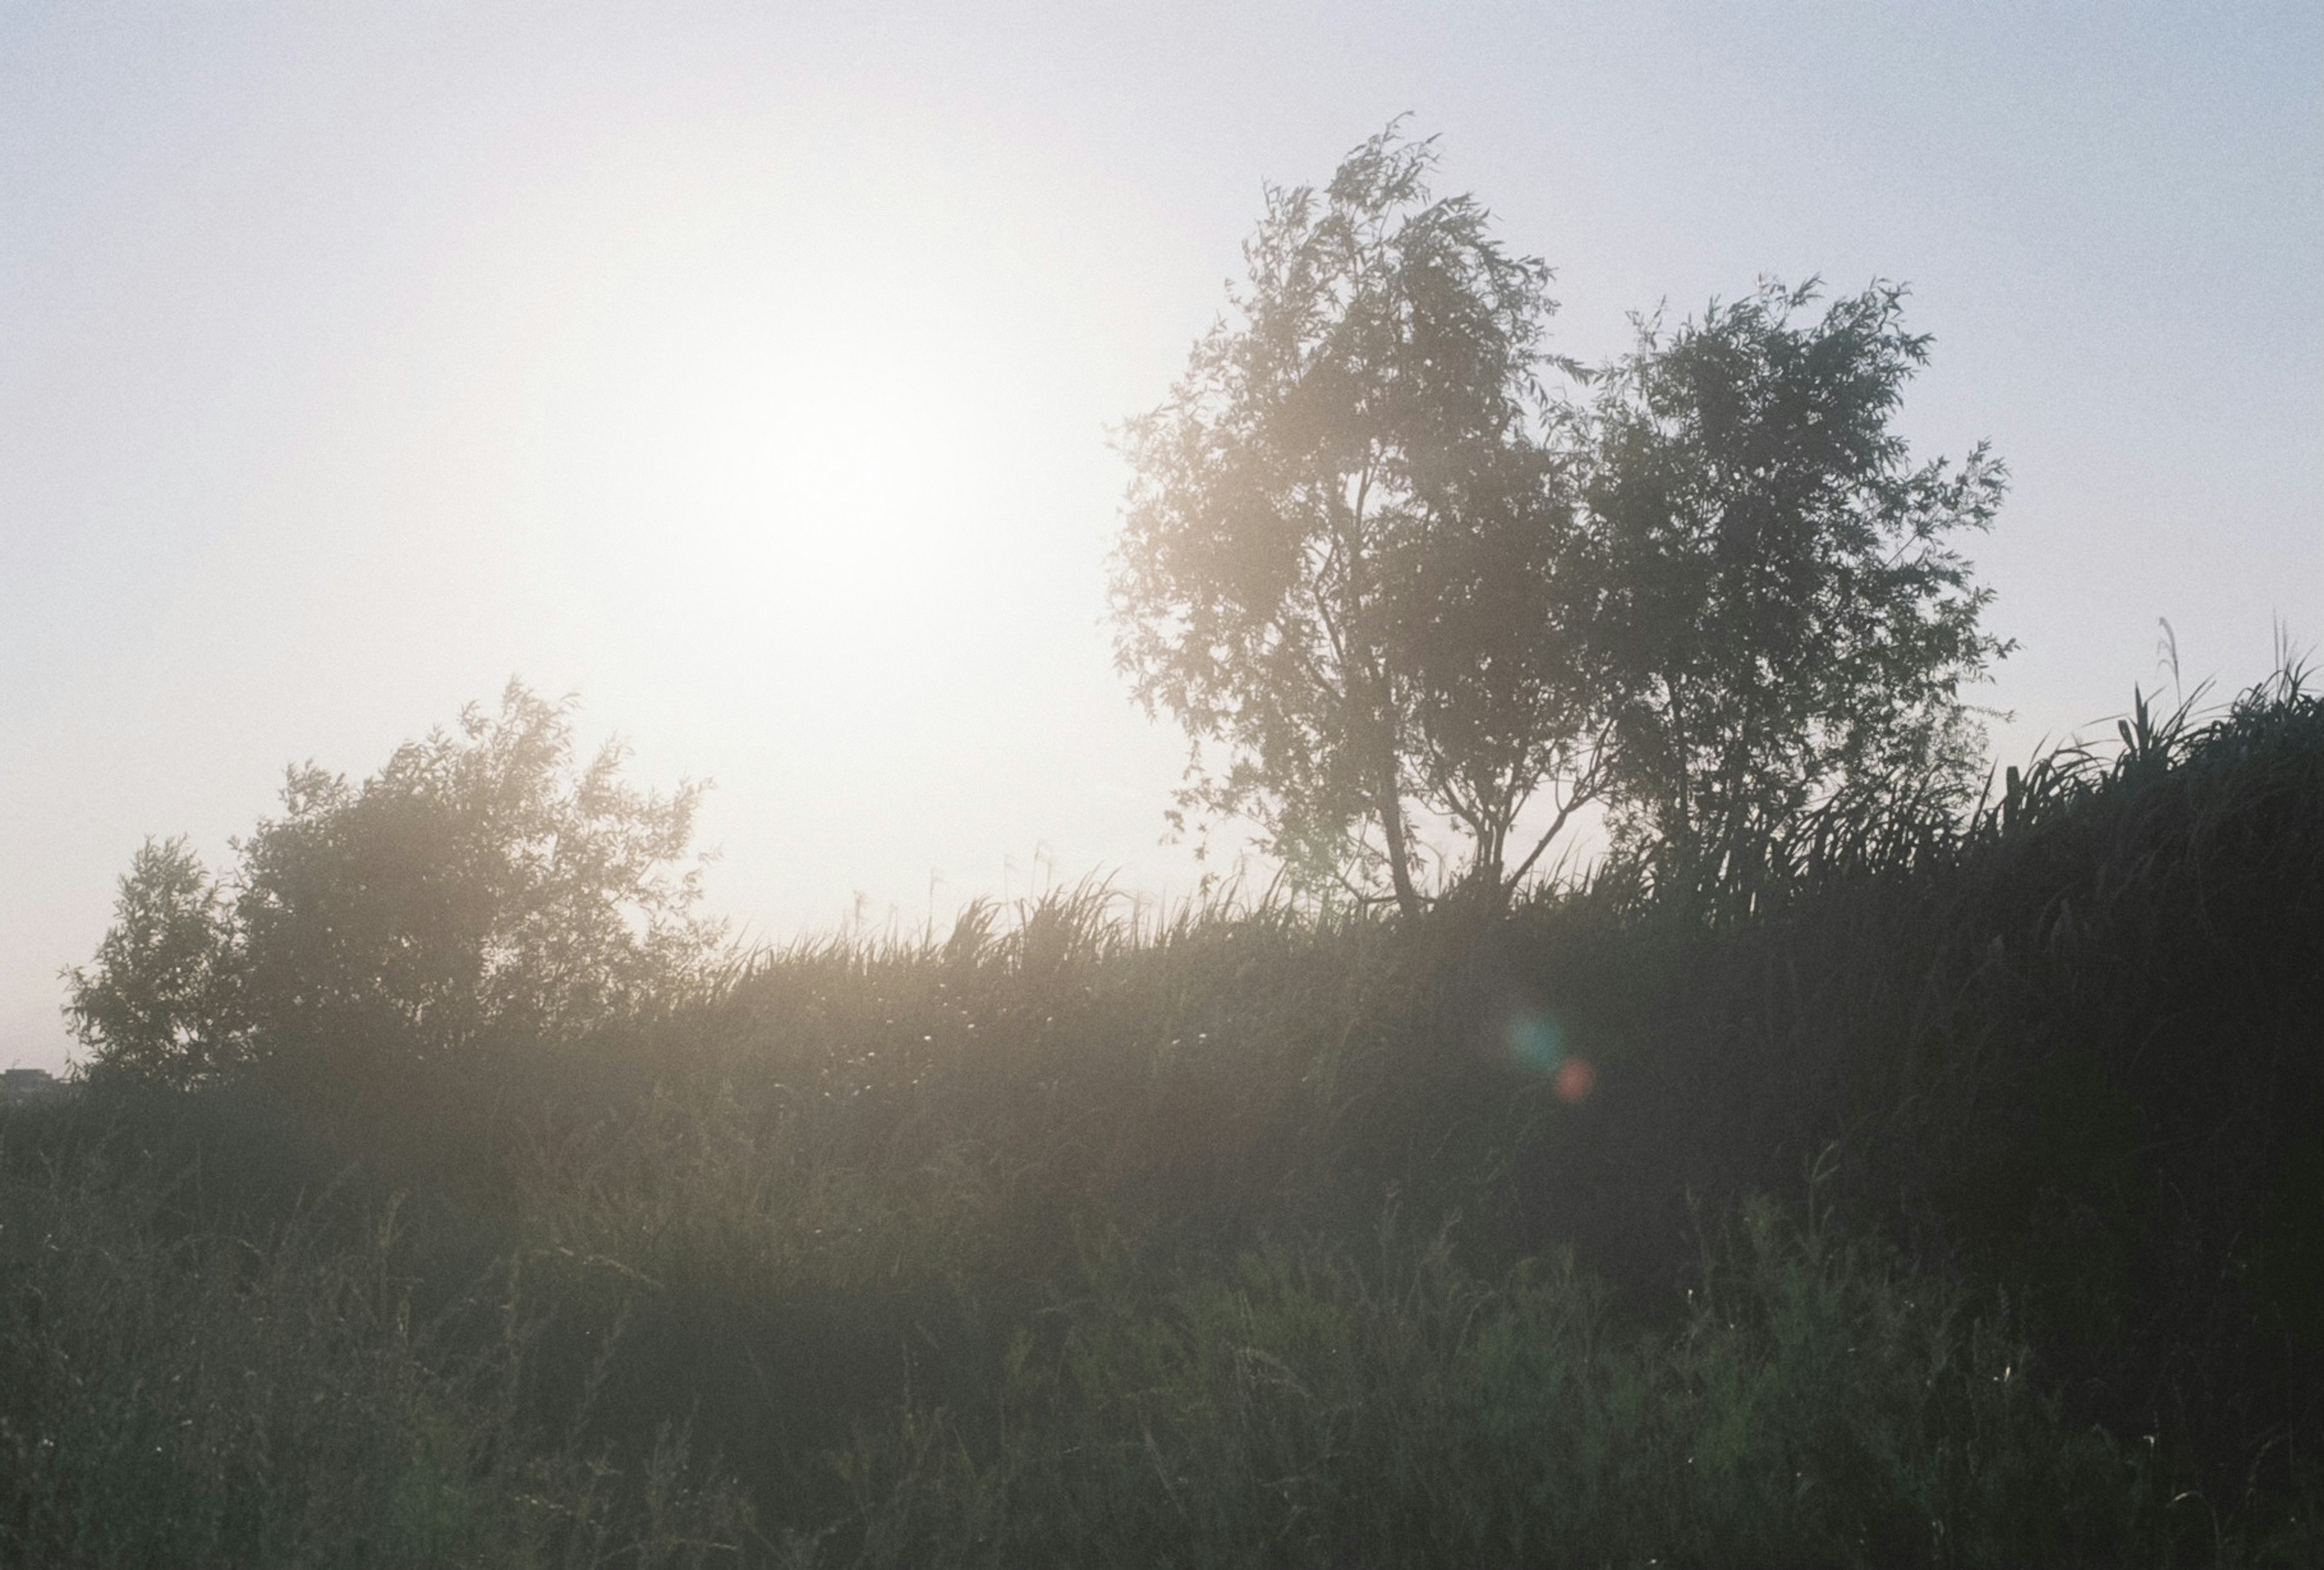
746, 370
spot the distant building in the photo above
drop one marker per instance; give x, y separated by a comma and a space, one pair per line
22, 1086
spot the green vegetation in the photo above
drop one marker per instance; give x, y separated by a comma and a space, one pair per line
482, 887
1786, 625
198, 1398
1849, 1172
1350, 562
1385, 578
1957, 1204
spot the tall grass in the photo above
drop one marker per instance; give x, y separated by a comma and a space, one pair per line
1813, 1406
177, 1399
1963, 1203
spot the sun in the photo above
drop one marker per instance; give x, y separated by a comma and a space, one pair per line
795, 439
805, 414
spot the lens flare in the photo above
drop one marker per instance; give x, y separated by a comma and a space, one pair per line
1575, 1080
1534, 1040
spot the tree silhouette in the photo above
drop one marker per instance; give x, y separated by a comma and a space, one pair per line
482, 887
157, 1004
1789, 625
1349, 565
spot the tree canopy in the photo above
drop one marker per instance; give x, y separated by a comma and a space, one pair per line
482, 885
1347, 566
1386, 582
1789, 621
155, 1005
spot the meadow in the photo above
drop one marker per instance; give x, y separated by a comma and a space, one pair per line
1957, 1199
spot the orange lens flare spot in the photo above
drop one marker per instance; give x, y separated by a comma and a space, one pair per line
1575, 1080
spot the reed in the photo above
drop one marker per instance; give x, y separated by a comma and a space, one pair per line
1954, 1202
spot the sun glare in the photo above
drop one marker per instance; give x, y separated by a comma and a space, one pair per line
805, 431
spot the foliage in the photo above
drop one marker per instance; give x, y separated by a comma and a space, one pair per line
1346, 558
480, 887
1384, 585
1263, 1236
1813, 1406
2071, 1049
157, 1004
193, 1399
1790, 621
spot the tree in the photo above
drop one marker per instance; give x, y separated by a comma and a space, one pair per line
1789, 623
158, 1004
481, 888
1347, 566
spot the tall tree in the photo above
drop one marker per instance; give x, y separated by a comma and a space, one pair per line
1792, 623
1346, 566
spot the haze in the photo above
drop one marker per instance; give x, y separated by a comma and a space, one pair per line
747, 372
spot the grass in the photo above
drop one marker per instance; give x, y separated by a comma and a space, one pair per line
1961, 1204
1813, 1407
204, 1400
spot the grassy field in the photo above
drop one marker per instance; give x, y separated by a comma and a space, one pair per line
1961, 1202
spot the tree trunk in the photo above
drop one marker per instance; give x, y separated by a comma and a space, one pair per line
1391, 817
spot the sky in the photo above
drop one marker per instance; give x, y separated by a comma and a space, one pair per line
747, 371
